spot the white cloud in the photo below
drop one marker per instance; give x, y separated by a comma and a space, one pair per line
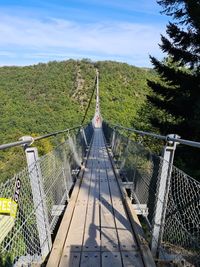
107, 39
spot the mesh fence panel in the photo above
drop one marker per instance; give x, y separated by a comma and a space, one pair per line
20, 240
21, 234
56, 179
142, 170
181, 233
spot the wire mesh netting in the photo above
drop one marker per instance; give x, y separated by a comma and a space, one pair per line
137, 167
44, 190
142, 170
21, 235
182, 219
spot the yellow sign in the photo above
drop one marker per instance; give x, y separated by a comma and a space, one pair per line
8, 207
8, 211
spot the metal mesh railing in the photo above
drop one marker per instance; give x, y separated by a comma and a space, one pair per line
21, 235
138, 167
181, 233
180, 237
57, 180
26, 237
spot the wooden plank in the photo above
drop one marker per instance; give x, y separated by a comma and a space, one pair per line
75, 236
132, 259
104, 188
111, 259
84, 190
92, 225
139, 234
58, 244
109, 239
92, 230
70, 259
138, 231
90, 259
124, 229
123, 226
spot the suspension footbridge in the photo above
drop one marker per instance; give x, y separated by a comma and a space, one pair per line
99, 231
100, 199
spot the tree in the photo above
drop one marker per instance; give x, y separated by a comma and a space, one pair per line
178, 93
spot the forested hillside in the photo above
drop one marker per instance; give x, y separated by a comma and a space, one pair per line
39, 99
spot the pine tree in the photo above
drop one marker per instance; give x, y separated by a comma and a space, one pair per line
178, 93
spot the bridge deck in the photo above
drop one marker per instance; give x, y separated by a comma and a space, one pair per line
99, 231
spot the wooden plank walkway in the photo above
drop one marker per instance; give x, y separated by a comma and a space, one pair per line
98, 232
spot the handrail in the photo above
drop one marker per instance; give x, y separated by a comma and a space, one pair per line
28, 140
167, 138
56, 133
19, 143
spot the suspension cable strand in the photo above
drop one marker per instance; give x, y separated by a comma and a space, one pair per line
56, 133
29, 140
168, 138
89, 103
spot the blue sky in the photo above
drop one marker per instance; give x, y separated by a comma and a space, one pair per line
33, 31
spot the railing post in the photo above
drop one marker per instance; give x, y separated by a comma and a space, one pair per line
113, 140
38, 199
162, 195
125, 154
84, 136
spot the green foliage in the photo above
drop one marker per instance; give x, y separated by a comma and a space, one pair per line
43, 98
6, 261
177, 96
123, 91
